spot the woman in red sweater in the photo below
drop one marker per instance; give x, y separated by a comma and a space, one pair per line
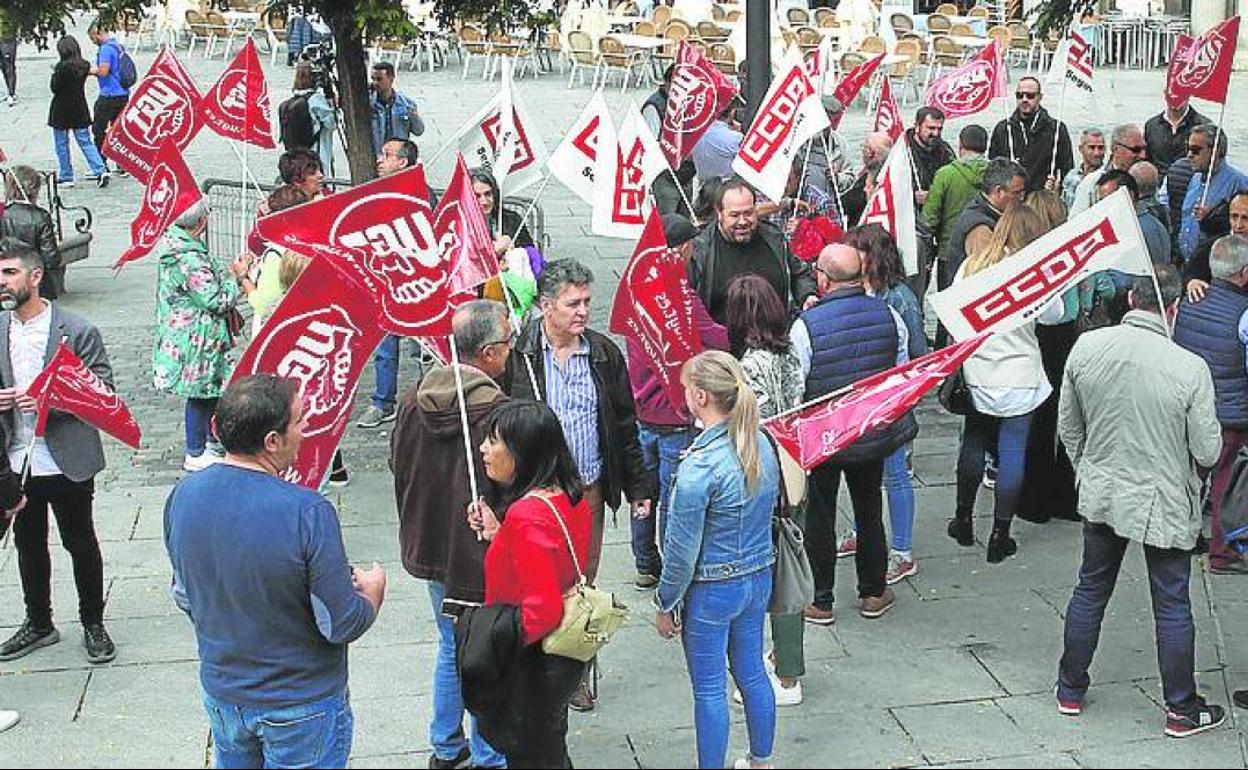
530, 565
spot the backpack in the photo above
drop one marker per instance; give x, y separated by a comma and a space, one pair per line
294, 118
127, 73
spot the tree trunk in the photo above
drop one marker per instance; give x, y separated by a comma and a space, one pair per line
353, 92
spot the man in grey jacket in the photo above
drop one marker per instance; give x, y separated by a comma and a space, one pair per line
63, 463
1137, 416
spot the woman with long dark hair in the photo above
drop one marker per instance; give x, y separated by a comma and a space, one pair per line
884, 276
69, 114
534, 558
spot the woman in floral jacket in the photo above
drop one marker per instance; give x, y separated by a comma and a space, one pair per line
194, 301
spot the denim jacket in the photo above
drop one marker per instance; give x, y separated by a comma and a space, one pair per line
715, 530
404, 120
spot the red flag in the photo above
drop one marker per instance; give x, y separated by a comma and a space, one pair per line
171, 190
386, 227
970, 88
888, 115
164, 106
463, 237
67, 385
847, 90
322, 334
1201, 67
654, 307
237, 106
826, 428
698, 95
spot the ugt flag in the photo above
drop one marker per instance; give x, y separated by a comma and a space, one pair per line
1201, 66
698, 95
572, 162
171, 190
888, 118
820, 431
848, 89
653, 307
463, 237
789, 116
385, 229
972, 87
892, 205
1017, 289
67, 385
163, 107
237, 106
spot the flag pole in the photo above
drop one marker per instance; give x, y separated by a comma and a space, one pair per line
528, 210
1057, 135
463, 424
1213, 157
812, 402
693, 217
836, 189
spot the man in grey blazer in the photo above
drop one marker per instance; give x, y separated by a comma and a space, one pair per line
63, 463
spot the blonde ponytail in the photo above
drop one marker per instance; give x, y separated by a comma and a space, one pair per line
719, 374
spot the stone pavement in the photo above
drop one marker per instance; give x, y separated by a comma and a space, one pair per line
959, 673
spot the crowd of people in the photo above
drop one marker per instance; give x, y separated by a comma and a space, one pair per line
1111, 406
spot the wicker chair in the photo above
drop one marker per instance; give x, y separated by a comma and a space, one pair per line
947, 9
581, 55
797, 16
646, 28
710, 32
825, 17
962, 30
938, 24
901, 23
724, 58
979, 12
662, 14
873, 44
473, 43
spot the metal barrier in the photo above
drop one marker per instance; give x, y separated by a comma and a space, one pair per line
233, 209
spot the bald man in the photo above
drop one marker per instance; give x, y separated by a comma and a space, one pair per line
875, 148
844, 337
1147, 180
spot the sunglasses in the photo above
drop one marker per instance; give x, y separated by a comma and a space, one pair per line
1026, 94
1135, 148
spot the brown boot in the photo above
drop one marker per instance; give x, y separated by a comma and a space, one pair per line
586, 694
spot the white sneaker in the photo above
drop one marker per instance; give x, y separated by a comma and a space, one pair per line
12, 100
785, 696
64, 183
745, 763
8, 719
193, 464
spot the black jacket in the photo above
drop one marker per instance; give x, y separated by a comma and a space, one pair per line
1178, 178
1166, 146
33, 226
69, 101
702, 267
623, 468
928, 162
1030, 143
488, 642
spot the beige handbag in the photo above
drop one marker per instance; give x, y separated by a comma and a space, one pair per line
590, 616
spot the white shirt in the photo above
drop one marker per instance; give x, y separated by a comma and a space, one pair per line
28, 343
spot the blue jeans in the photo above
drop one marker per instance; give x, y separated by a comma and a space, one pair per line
386, 367
446, 730
83, 138
980, 433
199, 424
724, 619
661, 453
316, 734
1169, 572
900, 497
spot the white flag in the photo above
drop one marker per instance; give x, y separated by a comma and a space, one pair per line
572, 162
892, 205
1016, 289
505, 151
1072, 65
522, 156
789, 116
626, 165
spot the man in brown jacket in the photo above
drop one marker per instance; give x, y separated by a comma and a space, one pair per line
432, 492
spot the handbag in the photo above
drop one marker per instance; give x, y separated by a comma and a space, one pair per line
590, 616
1235, 500
955, 394
793, 583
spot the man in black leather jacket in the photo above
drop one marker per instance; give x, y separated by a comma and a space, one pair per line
24, 220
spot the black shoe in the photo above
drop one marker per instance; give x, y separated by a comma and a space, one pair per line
962, 530
1240, 698
28, 639
100, 648
462, 759
1204, 716
339, 478
1000, 545
103, 180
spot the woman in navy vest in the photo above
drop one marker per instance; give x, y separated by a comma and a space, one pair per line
1007, 384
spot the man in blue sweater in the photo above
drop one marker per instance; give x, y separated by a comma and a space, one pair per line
259, 566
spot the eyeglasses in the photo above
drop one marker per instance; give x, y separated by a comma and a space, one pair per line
1135, 148
511, 341
1026, 94
1195, 149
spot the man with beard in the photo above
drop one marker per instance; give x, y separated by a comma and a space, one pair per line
62, 464
928, 152
1027, 138
738, 243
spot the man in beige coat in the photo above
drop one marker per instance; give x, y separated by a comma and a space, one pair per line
1137, 417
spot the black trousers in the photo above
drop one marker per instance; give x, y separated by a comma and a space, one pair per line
107, 108
8, 64
71, 504
1048, 476
868, 501
531, 728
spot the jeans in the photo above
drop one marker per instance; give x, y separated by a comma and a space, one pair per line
981, 432
83, 137
1169, 570
872, 557
446, 729
71, 504
386, 367
107, 109
900, 497
1232, 440
315, 734
661, 453
199, 424
723, 619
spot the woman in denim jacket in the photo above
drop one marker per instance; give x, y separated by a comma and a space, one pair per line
717, 558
